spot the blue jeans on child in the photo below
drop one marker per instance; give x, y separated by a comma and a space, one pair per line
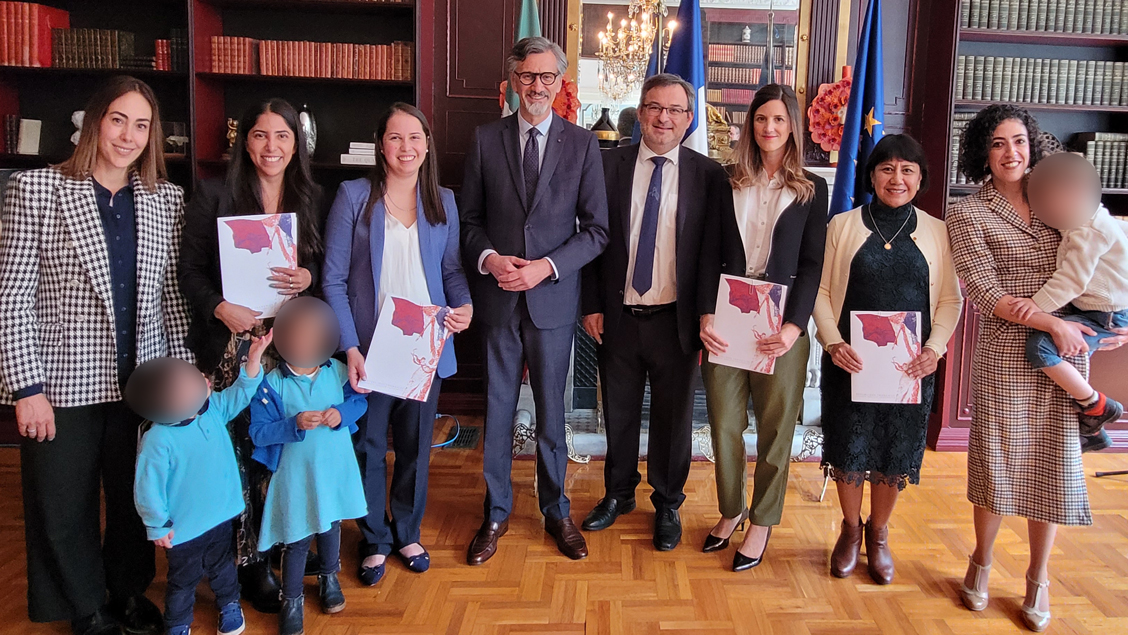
211, 554
294, 559
1041, 351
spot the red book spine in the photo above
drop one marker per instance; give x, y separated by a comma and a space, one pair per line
5, 34
25, 26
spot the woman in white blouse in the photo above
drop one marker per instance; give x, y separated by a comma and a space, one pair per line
394, 233
774, 230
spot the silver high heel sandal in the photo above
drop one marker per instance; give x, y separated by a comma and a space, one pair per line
975, 598
1032, 618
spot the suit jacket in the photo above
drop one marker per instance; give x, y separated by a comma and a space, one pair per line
796, 256
354, 256
566, 222
56, 304
200, 276
702, 185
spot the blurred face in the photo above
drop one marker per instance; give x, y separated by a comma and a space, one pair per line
167, 390
896, 182
531, 81
1009, 155
306, 332
404, 144
124, 131
772, 127
1064, 191
664, 117
271, 145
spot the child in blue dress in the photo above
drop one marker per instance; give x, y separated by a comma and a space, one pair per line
301, 424
187, 488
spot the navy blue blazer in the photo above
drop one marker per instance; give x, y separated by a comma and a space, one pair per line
354, 254
567, 221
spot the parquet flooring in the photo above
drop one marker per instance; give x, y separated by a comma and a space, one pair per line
625, 587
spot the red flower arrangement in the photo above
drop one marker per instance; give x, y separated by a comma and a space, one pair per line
827, 113
566, 104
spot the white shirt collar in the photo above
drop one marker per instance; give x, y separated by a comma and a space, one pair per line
525, 126
645, 153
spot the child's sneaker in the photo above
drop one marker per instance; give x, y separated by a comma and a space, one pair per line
1095, 442
291, 619
1104, 410
231, 619
332, 599
180, 630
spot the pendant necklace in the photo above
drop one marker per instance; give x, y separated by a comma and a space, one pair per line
888, 243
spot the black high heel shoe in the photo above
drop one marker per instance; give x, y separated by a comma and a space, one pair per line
741, 562
716, 543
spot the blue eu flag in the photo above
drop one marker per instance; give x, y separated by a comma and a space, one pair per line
863, 127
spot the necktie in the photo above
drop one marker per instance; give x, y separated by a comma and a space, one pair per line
531, 166
643, 277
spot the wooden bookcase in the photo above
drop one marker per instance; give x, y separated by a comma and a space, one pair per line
933, 105
724, 29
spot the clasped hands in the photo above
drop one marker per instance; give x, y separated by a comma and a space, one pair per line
310, 419
517, 274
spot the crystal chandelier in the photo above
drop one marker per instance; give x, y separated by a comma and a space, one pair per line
625, 52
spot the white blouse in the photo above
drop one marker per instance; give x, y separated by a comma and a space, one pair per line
401, 270
758, 207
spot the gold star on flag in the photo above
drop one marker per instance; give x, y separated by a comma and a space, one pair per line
871, 122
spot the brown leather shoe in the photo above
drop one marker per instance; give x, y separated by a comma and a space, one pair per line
878, 555
569, 540
844, 558
484, 545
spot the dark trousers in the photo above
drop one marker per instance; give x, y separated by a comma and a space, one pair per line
394, 520
69, 564
508, 348
211, 554
294, 559
645, 347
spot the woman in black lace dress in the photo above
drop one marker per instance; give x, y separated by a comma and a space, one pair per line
884, 256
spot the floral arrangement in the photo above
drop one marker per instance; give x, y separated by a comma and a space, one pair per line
827, 113
567, 103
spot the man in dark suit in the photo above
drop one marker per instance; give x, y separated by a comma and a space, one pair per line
642, 302
534, 212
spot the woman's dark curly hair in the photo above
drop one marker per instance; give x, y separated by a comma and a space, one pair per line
976, 142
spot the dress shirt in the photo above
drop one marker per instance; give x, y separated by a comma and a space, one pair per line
401, 270
665, 287
758, 207
120, 228
523, 128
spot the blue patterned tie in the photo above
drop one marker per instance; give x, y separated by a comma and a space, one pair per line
643, 277
531, 166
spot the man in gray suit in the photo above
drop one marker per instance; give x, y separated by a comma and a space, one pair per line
534, 212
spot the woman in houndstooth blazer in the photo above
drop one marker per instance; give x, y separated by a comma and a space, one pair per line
1024, 457
88, 290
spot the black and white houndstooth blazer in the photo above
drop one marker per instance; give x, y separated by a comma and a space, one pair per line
56, 308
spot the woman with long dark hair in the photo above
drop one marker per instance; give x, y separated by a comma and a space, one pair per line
88, 290
269, 173
395, 233
772, 228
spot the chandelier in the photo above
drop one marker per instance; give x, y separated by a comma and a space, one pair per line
624, 53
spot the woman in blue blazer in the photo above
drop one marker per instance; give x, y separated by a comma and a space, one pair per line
394, 232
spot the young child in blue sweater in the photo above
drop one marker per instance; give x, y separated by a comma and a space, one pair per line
187, 488
301, 424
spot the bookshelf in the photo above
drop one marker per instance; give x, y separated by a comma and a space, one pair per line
734, 64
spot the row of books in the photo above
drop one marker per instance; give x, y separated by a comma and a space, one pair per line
247, 56
172, 54
1057, 16
360, 153
959, 124
25, 33
96, 48
1041, 81
1108, 151
734, 116
729, 95
750, 76
750, 53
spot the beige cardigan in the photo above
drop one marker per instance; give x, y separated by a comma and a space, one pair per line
846, 234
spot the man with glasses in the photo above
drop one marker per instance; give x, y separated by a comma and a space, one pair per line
641, 304
534, 212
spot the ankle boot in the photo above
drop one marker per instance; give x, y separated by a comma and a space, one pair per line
260, 586
291, 620
332, 599
844, 558
878, 556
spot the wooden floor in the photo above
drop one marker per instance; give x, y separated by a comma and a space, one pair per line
626, 587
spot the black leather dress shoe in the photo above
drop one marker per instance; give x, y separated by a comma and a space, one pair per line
260, 586
138, 615
97, 623
606, 512
667, 529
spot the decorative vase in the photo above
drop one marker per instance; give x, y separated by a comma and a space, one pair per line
605, 130
309, 127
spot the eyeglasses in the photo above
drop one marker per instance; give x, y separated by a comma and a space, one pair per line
654, 110
527, 79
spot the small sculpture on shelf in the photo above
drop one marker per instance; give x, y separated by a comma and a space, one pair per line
719, 140
746, 35
232, 135
309, 127
76, 118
